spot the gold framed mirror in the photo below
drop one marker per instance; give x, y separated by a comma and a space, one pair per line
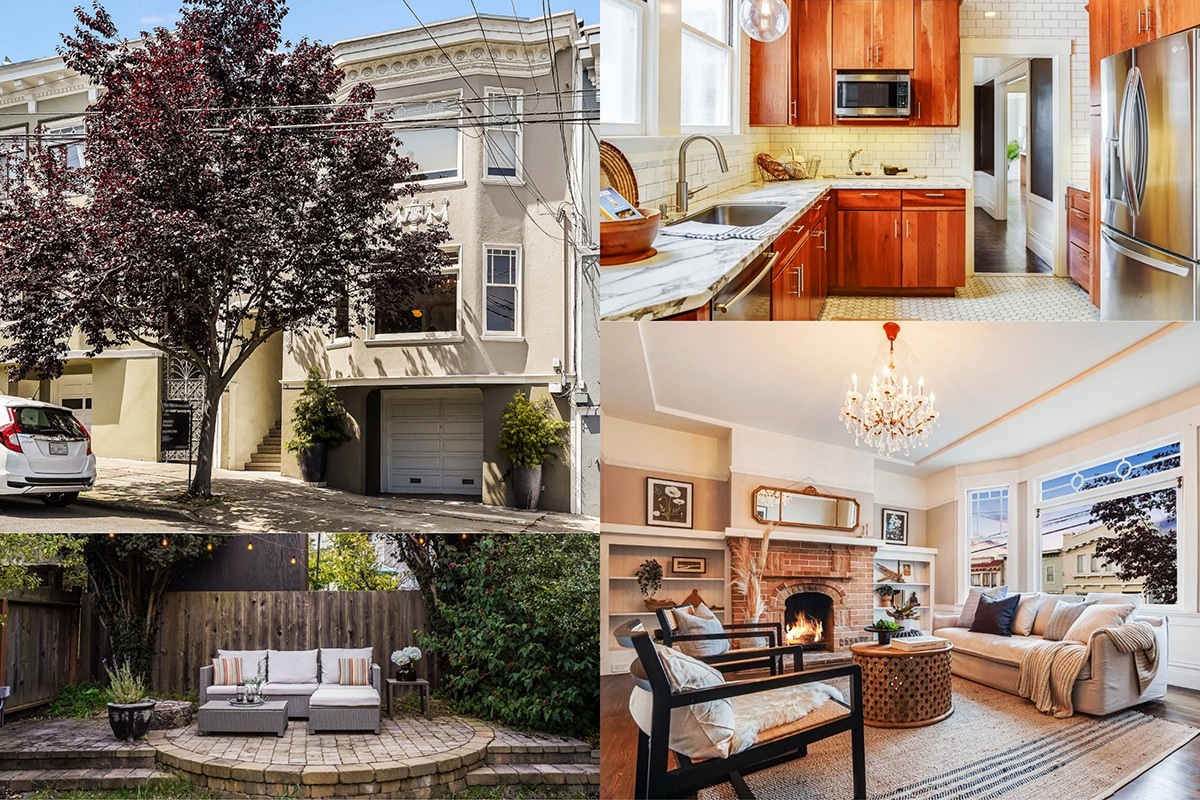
804, 508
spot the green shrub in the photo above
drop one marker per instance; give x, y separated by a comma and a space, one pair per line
125, 685
523, 639
78, 701
529, 435
317, 416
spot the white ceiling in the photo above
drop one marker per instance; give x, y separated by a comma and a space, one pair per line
791, 378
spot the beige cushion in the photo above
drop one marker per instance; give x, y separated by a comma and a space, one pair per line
252, 661
1103, 599
704, 730
1046, 609
1097, 616
780, 712
671, 612
222, 689
1062, 619
700, 621
344, 697
289, 689
329, 661
1005, 649
293, 666
967, 615
1026, 613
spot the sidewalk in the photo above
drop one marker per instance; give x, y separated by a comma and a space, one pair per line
259, 501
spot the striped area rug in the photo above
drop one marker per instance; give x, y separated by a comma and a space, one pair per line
994, 747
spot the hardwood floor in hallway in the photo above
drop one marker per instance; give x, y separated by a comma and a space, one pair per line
1000, 244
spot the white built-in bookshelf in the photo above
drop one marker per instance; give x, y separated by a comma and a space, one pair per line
920, 562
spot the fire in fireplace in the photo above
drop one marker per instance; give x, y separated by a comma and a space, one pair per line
808, 620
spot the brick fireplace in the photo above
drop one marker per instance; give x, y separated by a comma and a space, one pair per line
829, 584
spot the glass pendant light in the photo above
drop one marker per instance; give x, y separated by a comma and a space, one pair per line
764, 20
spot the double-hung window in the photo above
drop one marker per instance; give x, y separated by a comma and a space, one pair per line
623, 25
66, 142
12, 153
706, 57
987, 535
502, 290
1111, 525
502, 151
437, 151
433, 315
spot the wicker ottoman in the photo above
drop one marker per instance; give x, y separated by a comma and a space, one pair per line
219, 716
904, 689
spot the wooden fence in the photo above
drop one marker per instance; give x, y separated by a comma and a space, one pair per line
39, 645
196, 624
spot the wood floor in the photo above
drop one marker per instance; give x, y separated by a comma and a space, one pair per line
1000, 244
1177, 777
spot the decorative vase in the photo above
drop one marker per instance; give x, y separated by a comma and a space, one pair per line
130, 720
886, 600
313, 462
906, 625
527, 486
883, 635
763, 642
406, 673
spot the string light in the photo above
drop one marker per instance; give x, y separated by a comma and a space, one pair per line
293, 559
208, 546
165, 542
112, 536
249, 545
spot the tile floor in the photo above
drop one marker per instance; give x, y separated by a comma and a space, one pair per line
985, 297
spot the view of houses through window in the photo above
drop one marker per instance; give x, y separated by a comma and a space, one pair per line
988, 536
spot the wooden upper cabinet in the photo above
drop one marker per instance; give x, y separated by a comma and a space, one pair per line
812, 29
853, 24
1127, 24
935, 76
1097, 44
772, 90
892, 35
1173, 16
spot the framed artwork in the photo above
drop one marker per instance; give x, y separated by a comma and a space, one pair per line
689, 565
906, 569
895, 526
668, 503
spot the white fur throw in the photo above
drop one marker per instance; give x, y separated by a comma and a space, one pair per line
755, 713
1049, 670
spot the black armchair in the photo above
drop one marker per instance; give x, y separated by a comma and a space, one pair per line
734, 660
654, 778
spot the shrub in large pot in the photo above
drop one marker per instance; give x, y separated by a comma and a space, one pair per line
318, 425
129, 713
529, 436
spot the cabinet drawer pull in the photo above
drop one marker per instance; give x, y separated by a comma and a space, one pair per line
935, 194
868, 194
906, 222
798, 229
877, 58
1140, 13
896, 228
918, 109
793, 108
1079, 213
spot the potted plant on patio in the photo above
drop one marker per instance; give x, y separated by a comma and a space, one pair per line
318, 424
129, 713
529, 436
405, 660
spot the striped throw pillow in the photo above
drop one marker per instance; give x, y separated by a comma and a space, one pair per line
227, 671
354, 671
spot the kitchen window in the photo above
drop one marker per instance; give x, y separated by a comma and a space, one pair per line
623, 25
502, 154
437, 152
502, 291
433, 315
706, 48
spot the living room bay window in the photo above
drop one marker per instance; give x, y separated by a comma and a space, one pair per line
433, 315
1111, 526
502, 137
988, 536
436, 151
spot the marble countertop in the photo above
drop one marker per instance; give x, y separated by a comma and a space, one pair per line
1079, 187
686, 273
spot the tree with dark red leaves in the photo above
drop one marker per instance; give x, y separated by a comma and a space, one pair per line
204, 222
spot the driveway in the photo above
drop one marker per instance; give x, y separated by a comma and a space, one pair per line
24, 515
256, 501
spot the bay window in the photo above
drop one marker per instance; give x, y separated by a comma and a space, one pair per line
432, 315
70, 147
502, 152
502, 291
988, 536
436, 152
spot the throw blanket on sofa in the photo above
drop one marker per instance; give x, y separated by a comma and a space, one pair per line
1049, 670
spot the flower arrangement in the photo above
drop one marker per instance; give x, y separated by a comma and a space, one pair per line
405, 658
126, 687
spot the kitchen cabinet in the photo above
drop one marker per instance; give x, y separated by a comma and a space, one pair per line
791, 78
1173, 16
799, 281
936, 63
701, 314
1127, 24
935, 249
1079, 238
873, 34
1097, 45
1133, 22
869, 248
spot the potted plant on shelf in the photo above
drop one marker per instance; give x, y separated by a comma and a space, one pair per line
318, 424
529, 436
649, 576
405, 660
905, 615
886, 593
129, 713
883, 629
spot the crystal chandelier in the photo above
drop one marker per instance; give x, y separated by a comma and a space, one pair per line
890, 417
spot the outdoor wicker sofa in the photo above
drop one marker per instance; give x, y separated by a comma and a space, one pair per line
308, 681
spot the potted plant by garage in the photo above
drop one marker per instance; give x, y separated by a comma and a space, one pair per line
129, 713
529, 436
318, 424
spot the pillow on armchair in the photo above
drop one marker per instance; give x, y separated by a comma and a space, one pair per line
704, 730
700, 621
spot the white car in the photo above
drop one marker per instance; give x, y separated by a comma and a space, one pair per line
44, 451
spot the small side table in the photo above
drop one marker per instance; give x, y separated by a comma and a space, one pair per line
904, 688
420, 684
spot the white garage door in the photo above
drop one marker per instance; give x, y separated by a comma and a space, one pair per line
75, 393
433, 444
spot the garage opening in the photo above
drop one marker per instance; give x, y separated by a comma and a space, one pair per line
432, 441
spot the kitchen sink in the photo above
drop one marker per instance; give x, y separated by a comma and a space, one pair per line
741, 215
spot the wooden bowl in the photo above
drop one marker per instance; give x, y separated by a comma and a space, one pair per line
623, 241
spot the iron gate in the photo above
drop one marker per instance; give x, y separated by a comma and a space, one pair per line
182, 381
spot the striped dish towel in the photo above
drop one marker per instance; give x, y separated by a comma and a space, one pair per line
703, 230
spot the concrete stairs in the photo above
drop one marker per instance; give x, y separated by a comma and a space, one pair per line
534, 761
121, 767
267, 458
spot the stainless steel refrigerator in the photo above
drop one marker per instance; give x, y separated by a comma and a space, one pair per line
1149, 250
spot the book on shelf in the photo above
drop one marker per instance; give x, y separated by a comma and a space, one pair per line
918, 643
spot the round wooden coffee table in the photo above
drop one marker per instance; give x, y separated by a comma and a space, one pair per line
903, 688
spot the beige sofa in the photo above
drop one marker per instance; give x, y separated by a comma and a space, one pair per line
1107, 683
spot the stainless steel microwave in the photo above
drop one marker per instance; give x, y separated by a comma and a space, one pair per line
872, 94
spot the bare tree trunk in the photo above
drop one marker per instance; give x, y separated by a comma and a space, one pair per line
202, 478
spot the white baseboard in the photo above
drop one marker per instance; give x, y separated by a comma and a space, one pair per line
1039, 245
1186, 676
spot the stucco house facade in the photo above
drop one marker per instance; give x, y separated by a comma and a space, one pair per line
425, 391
